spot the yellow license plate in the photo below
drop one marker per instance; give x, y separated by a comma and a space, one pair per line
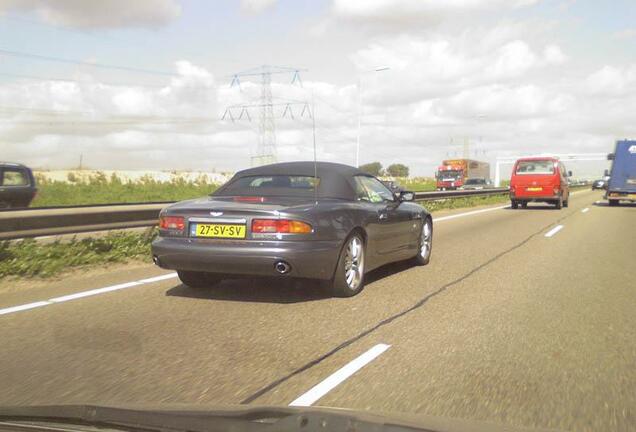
534, 189
218, 231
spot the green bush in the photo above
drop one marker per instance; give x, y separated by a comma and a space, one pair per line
100, 189
417, 184
32, 258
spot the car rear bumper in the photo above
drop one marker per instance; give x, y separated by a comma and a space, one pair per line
621, 196
531, 198
308, 259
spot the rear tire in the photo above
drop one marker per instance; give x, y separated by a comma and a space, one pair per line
524, 205
195, 279
514, 204
348, 279
425, 249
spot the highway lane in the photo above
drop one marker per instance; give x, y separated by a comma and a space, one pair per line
167, 343
543, 337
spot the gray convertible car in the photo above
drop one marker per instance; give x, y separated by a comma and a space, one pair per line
321, 221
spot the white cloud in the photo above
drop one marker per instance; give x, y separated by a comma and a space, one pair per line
257, 6
91, 14
433, 66
391, 10
612, 81
503, 103
625, 34
553, 55
96, 109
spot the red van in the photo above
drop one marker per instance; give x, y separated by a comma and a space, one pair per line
539, 179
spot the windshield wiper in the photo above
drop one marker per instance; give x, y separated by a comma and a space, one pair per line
90, 418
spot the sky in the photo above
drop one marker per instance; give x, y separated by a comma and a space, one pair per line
145, 84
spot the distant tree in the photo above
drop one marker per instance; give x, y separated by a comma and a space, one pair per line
373, 168
398, 170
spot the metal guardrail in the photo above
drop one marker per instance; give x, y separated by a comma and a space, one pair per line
38, 222
35, 222
81, 206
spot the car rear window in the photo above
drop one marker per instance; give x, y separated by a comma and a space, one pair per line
273, 185
535, 167
13, 177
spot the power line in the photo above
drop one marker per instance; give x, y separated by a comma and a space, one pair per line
61, 28
57, 79
107, 119
83, 63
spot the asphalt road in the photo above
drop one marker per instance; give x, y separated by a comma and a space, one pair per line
505, 325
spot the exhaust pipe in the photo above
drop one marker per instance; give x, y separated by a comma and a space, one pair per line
282, 267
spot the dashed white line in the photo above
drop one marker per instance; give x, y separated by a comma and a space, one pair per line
83, 294
339, 376
554, 230
585, 210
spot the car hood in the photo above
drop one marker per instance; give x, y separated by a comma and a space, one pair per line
182, 418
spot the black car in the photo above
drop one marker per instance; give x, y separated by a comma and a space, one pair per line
476, 184
326, 221
17, 185
599, 184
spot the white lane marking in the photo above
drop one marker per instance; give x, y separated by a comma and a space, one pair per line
158, 278
554, 230
455, 216
578, 192
339, 376
23, 307
88, 293
585, 210
93, 292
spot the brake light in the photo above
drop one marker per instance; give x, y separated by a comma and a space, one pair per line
283, 226
251, 199
172, 223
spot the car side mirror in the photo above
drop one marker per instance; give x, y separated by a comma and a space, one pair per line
610, 156
406, 196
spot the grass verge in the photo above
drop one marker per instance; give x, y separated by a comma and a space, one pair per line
457, 203
30, 258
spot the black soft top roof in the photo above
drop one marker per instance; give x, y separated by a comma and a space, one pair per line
336, 180
12, 165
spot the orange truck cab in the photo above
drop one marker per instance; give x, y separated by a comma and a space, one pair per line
539, 179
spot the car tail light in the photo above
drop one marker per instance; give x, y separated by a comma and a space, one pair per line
172, 223
283, 226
